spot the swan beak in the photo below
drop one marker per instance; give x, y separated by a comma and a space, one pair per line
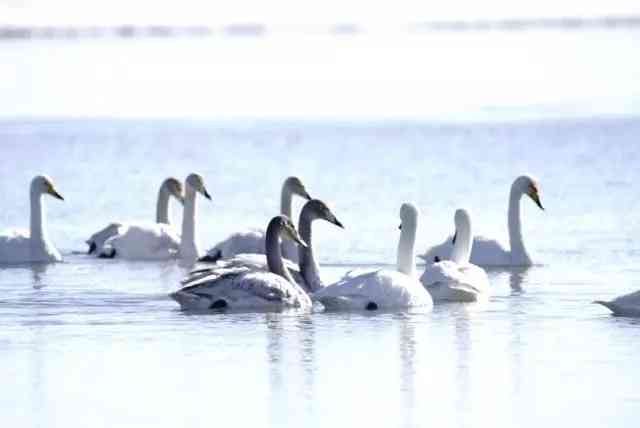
55, 194
400, 227
337, 223
536, 198
206, 194
181, 199
299, 241
455, 236
92, 248
305, 195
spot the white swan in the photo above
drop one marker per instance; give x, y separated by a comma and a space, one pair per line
170, 187
627, 305
253, 240
32, 246
158, 241
382, 289
306, 273
457, 280
489, 252
243, 288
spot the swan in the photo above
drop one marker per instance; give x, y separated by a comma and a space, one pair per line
383, 288
489, 252
253, 240
25, 246
169, 187
158, 241
457, 280
627, 305
306, 274
244, 288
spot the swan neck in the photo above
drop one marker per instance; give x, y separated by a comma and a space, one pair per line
37, 217
518, 251
187, 241
306, 257
274, 253
285, 200
162, 206
462, 248
406, 262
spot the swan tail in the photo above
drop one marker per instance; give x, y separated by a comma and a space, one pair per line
609, 305
211, 257
190, 301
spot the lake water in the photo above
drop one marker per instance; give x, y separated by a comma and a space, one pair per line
98, 343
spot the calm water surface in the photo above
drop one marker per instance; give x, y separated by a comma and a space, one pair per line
98, 343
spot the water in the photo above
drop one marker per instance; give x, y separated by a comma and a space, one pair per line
98, 343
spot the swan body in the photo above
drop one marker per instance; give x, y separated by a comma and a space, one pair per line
382, 289
489, 252
140, 241
627, 305
171, 187
159, 241
253, 240
32, 246
244, 288
457, 280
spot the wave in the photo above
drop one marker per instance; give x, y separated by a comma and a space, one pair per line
337, 29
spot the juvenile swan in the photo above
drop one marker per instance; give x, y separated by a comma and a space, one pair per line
157, 241
252, 241
382, 289
489, 252
306, 274
627, 305
244, 288
22, 246
170, 187
457, 280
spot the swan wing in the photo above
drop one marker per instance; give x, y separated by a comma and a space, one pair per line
250, 241
240, 288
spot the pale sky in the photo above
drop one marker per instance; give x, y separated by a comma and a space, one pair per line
217, 12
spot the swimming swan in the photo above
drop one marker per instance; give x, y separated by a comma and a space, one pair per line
158, 241
489, 252
22, 246
383, 288
170, 187
627, 305
253, 240
457, 280
244, 288
306, 273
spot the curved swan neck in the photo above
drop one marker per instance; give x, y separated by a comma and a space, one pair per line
162, 205
406, 262
187, 240
462, 248
306, 258
518, 251
285, 200
274, 253
37, 217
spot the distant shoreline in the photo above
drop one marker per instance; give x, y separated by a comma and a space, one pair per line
44, 32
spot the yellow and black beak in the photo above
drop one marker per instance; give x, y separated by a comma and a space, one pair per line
536, 198
205, 193
53, 192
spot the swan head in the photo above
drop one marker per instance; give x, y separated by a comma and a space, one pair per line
527, 185
320, 210
295, 186
408, 215
197, 183
288, 229
42, 184
174, 187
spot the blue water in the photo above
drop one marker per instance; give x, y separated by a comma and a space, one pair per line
98, 343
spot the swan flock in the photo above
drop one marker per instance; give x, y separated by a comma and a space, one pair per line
276, 268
